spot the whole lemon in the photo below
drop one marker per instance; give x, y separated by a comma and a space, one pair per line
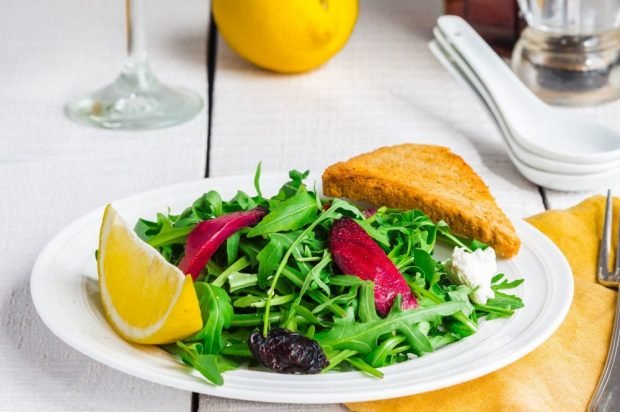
287, 36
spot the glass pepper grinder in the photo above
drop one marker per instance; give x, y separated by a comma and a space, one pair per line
569, 53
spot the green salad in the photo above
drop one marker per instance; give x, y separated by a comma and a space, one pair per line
273, 292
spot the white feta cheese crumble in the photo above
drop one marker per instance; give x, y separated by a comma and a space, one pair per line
474, 270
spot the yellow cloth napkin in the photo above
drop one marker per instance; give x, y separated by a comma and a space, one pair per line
561, 374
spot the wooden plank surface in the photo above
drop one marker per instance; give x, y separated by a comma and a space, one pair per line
384, 88
215, 404
52, 171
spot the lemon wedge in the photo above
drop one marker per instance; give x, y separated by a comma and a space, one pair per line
146, 299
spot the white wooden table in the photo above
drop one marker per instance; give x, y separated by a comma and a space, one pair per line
383, 88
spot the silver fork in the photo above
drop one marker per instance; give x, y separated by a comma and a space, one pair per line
607, 394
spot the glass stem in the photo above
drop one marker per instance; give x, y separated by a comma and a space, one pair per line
136, 68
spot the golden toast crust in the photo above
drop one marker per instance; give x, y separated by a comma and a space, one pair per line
432, 179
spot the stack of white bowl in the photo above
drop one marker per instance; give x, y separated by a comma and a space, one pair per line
548, 147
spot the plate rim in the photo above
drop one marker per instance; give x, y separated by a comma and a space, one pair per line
197, 385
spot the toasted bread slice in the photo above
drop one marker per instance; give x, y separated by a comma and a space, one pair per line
429, 178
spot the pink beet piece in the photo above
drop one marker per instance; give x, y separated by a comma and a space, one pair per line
369, 212
209, 235
356, 253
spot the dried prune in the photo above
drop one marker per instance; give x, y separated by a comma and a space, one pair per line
284, 351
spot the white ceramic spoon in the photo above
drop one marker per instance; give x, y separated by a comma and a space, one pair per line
562, 182
469, 78
536, 126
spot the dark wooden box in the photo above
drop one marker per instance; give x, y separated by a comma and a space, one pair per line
497, 21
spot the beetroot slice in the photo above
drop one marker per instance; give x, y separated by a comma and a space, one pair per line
356, 253
369, 212
209, 235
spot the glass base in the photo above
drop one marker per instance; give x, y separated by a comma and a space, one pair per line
136, 100
570, 70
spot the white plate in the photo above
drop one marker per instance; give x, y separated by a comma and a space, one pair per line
65, 293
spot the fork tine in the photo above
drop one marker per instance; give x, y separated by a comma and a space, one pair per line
605, 245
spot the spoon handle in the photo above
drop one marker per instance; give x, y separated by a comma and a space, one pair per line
451, 67
452, 63
508, 92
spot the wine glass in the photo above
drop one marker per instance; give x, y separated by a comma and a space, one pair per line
136, 100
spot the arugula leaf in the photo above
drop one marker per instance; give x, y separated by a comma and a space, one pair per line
459, 329
359, 364
238, 265
312, 275
259, 302
308, 315
238, 281
435, 298
217, 313
461, 294
425, 264
506, 301
207, 206
145, 229
339, 207
345, 280
440, 341
335, 358
241, 201
292, 187
289, 215
162, 232
366, 309
169, 236
362, 337
209, 365
505, 284
251, 320
379, 356
501, 305
469, 244
268, 259
232, 247
380, 237
257, 181
316, 271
